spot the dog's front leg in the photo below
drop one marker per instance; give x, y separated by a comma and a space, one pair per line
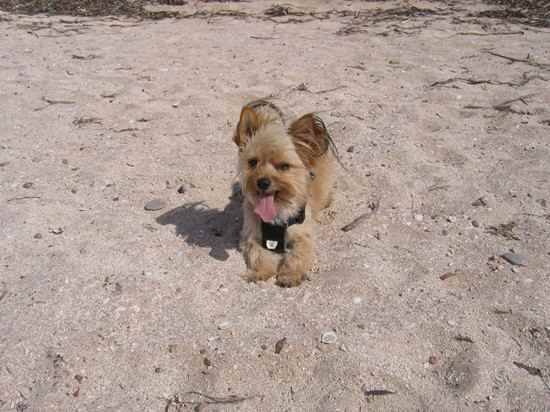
261, 263
298, 260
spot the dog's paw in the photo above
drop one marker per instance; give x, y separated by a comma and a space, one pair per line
253, 276
289, 280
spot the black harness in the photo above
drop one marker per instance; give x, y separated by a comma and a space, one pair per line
274, 236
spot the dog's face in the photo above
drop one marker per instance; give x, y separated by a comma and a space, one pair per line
274, 163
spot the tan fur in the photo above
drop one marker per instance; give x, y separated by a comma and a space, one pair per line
304, 147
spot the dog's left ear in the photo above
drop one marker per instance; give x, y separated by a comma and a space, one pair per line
310, 137
247, 126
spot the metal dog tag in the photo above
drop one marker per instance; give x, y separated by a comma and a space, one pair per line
271, 244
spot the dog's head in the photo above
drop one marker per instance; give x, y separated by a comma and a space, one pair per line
275, 161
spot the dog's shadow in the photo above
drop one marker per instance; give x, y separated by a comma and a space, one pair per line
204, 227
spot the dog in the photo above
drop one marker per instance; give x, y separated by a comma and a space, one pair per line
287, 175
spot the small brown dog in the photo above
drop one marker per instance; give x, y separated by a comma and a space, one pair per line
287, 175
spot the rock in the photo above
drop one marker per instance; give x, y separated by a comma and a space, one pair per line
357, 300
514, 259
479, 202
279, 346
56, 231
155, 204
444, 232
475, 223
328, 338
224, 325
451, 219
418, 217
351, 149
182, 189
38, 236
28, 185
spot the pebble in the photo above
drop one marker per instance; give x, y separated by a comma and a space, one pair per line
351, 149
357, 300
451, 219
328, 338
155, 204
28, 185
38, 236
514, 259
182, 189
224, 325
475, 223
480, 202
418, 217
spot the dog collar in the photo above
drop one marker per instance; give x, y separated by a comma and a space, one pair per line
274, 236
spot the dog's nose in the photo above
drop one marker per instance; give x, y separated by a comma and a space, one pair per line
263, 183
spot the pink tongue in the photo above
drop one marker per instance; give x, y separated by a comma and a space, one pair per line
265, 208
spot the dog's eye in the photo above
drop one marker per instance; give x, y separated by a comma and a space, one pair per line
252, 162
283, 167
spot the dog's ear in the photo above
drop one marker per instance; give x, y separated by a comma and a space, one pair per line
247, 126
310, 137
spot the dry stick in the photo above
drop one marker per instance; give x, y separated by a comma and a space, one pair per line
516, 60
219, 400
23, 198
330, 90
502, 33
476, 81
358, 220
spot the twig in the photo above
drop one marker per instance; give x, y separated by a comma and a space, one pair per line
23, 198
330, 90
531, 370
263, 38
476, 81
528, 60
219, 400
358, 220
462, 338
502, 33
377, 392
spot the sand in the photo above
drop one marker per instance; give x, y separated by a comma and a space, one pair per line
106, 306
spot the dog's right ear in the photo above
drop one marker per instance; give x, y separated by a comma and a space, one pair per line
247, 126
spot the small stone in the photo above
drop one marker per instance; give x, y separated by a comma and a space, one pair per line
451, 219
155, 204
158, 370
182, 189
515, 269
418, 217
38, 236
79, 378
444, 232
175, 105
65, 161
279, 346
475, 223
351, 149
514, 259
73, 191
224, 325
357, 300
479, 202
56, 231
206, 362
432, 360
116, 199
328, 338
28, 185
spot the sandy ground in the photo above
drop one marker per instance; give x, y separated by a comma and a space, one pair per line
105, 306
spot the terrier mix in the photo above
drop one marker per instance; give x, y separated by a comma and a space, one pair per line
287, 175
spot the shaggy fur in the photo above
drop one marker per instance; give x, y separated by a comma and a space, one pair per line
298, 160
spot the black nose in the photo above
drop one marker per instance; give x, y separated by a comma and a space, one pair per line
263, 183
